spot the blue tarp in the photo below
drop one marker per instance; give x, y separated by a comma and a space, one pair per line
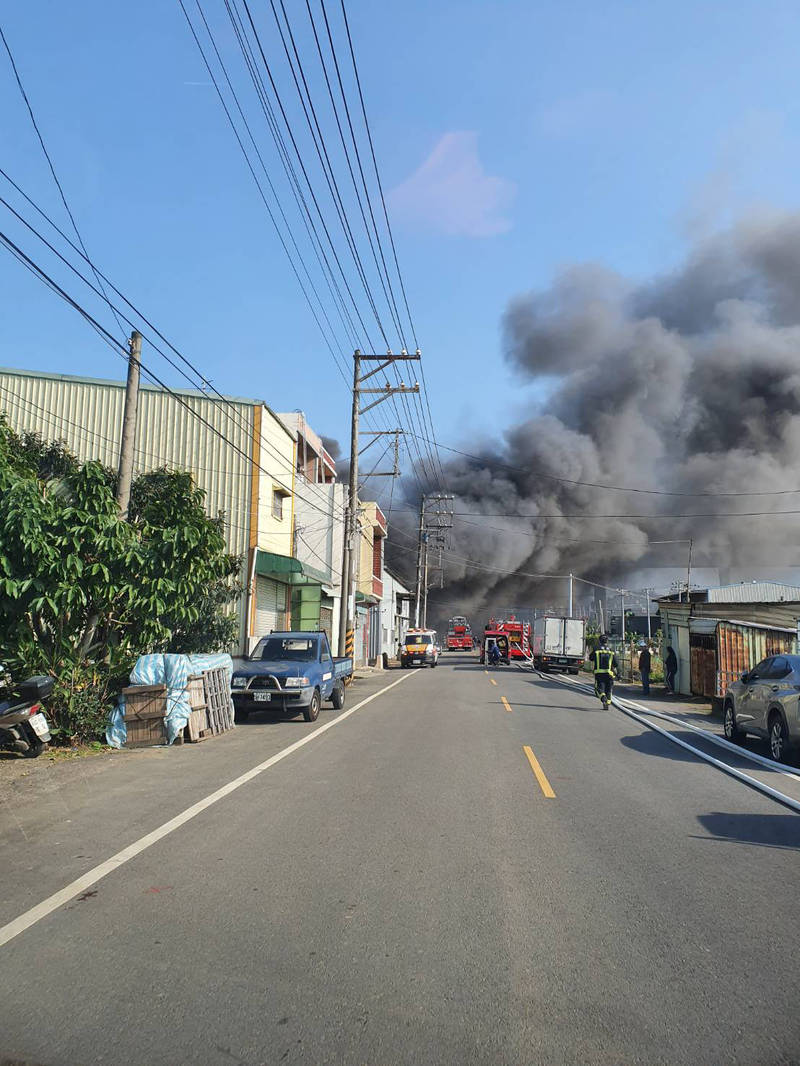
174, 672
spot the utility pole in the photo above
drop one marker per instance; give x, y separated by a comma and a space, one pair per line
438, 529
622, 607
128, 439
569, 609
421, 535
647, 609
689, 573
425, 589
347, 610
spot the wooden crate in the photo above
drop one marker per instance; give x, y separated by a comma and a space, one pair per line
145, 711
145, 701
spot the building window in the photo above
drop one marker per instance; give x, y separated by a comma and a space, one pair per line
377, 556
277, 503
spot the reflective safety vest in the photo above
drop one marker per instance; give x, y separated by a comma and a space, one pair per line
603, 660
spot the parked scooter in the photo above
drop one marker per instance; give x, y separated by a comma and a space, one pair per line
23, 725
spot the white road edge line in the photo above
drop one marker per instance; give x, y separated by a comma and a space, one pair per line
753, 782
18, 925
713, 738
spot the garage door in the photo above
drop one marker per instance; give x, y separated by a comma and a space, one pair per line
270, 605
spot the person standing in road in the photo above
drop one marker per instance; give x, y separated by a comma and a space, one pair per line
644, 669
670, 668
606, 668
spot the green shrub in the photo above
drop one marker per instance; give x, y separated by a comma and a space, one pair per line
84, 593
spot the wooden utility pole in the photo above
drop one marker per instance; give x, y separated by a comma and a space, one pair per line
129, 424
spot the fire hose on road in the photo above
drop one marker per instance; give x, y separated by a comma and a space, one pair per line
638, 715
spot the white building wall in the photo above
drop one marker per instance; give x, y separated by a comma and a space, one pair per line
319, 535
394, 626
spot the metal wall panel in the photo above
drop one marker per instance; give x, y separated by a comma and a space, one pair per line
740, 647
754, 592
87, 415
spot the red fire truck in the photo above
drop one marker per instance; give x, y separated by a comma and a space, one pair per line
518, 633
459, 634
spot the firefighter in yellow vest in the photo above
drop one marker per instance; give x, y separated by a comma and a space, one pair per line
606, 668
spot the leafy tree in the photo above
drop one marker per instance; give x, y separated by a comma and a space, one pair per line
83, 593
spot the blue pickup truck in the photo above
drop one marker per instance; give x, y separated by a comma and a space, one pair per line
291, 671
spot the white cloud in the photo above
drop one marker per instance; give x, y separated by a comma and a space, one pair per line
452, 193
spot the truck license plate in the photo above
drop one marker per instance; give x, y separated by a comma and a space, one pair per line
262, 697
39, 724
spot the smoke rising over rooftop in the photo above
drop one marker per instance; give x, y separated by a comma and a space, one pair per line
686, 383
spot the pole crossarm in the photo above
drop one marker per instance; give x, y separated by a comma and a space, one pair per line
385, 394
403, 356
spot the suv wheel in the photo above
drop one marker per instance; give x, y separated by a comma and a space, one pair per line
732, 732
778, 737
311, 713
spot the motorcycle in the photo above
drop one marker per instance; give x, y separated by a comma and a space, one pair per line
23, 725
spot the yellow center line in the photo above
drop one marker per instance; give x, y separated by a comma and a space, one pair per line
506, 704
544, 784
492, 680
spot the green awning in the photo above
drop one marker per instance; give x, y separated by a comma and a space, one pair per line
269, 564
287, 569
318, 577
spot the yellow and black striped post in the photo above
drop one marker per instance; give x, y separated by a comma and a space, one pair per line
349, 644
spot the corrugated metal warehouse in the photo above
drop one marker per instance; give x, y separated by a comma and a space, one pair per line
238, 451
757, 605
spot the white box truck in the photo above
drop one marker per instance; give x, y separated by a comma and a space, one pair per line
559, 644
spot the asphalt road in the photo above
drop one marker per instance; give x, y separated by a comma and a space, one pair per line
402, 889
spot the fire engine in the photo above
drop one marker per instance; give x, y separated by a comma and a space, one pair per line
518, 633
459, 634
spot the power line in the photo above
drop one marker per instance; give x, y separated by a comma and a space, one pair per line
386, 214
250, 61
52, 167
240, 422
121, 348
272, 123
320, 146
255, 176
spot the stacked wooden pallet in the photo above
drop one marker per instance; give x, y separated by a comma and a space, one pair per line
196, 729
219, 705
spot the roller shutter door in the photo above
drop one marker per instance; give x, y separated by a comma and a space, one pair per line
270, 605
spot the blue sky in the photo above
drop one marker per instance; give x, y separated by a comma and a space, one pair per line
513, 138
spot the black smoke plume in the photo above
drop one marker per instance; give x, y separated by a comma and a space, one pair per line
686, 383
